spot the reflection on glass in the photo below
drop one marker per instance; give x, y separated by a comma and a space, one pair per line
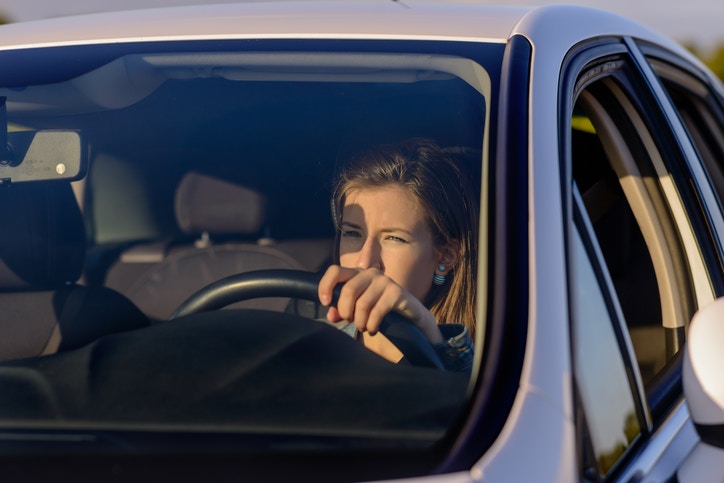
600, 374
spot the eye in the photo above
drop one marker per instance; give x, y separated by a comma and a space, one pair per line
396, 239
351, 234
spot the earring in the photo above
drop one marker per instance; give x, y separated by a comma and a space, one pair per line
438, 278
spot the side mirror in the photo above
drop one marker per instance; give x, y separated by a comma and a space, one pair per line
42, 156
703, 382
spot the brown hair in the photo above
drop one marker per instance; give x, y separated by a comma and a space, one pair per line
449, 205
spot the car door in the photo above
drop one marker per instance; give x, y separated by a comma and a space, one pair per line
643, 257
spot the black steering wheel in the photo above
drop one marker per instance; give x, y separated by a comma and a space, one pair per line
413, 344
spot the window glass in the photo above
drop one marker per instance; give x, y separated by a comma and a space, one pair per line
639, 220
600, 373
267, 124
623, 247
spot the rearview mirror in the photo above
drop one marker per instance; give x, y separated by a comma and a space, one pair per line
42, 156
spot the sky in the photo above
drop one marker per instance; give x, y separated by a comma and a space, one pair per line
695, 22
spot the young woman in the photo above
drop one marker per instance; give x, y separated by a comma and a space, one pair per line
407, 223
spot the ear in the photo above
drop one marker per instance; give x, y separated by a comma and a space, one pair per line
448, 254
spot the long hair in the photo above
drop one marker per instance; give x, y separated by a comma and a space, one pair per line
450, 210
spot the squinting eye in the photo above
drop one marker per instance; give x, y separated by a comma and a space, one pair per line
351, 233
396, 239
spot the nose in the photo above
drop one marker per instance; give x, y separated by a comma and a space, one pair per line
370, 256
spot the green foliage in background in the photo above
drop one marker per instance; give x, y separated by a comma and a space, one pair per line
715, 61
713, 58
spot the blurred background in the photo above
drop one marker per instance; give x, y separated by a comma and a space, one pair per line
697, 24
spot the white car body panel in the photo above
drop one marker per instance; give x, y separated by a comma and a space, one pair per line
537, 433
346, 20
353, 20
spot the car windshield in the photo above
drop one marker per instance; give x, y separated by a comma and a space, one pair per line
169, 133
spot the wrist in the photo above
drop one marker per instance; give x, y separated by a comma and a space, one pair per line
429, 327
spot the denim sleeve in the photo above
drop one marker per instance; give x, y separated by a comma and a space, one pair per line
456, 351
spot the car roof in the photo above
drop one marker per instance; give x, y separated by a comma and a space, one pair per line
383, 19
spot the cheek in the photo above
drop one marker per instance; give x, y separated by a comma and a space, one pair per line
420, 282
414, 274
346, 259
348, 250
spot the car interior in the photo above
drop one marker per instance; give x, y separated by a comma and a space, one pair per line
43, 247
202, 167
159, 275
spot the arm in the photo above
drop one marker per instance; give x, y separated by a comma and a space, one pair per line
456, 351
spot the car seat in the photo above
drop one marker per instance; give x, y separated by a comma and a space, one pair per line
159, 276
42, 249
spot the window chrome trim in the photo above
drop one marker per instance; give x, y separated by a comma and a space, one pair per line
666, 449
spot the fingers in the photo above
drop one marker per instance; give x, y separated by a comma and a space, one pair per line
333, 316
331, 278
366, 297
358, 295
381, 297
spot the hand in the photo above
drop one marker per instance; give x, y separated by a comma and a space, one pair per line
368, 295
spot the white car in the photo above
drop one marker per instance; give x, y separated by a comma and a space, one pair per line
165, 163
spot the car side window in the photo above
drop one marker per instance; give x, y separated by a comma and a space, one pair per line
602, 381
641, 223
633, 224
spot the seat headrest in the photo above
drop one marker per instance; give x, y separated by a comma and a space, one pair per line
206, 204
43, 237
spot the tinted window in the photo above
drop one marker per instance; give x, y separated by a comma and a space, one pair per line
637, 213
274, 120
601, 376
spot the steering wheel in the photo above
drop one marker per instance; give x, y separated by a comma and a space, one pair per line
413, 344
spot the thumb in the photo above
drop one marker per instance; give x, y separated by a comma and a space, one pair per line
332, 315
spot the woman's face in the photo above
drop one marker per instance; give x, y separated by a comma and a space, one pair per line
385, 228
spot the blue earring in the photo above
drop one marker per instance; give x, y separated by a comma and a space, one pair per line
439, 279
